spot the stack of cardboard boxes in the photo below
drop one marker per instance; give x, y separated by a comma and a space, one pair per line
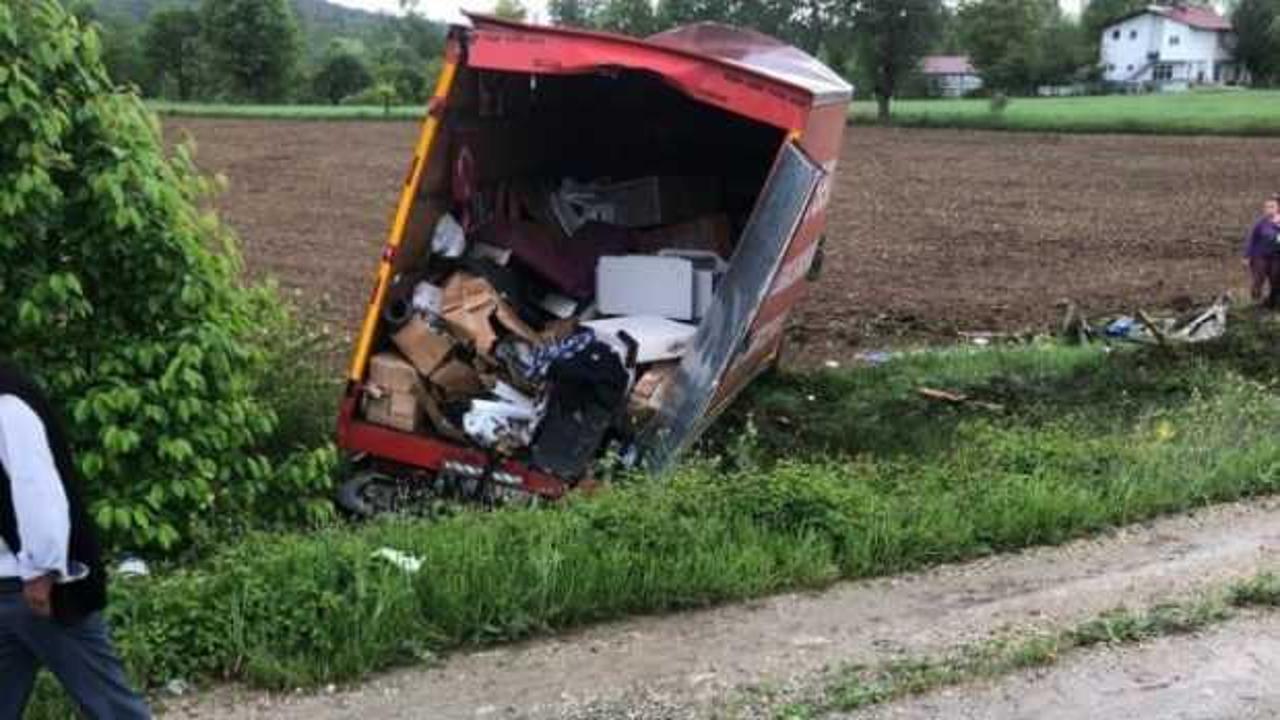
517, 327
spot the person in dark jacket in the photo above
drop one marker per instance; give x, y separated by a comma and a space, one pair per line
1262, 254
53, 583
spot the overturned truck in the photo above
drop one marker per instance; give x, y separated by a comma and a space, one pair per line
597, 245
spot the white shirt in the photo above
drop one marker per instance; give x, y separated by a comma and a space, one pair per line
39, 500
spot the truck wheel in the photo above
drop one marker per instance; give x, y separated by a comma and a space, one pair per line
368, 493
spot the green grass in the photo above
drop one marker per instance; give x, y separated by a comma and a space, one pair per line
1191, 113
855, 687
818, 478
288, 112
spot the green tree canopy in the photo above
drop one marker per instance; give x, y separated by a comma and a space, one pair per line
511, 10
341, 73
253, 46
630, 17
171, 46
891, 38
1257, 24
575, 13
124, 297
1019, 44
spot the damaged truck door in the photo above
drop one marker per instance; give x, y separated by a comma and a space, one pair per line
597, 246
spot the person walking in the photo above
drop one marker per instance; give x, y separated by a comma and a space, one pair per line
53, 583
1262, 254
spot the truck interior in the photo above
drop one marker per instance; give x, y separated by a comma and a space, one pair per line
527, 133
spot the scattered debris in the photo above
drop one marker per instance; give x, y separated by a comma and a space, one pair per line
404, 561
875, 357
133, 567
177, 687
1147, 328
956, 398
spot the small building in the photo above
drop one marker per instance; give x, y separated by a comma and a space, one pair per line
1170, 48
950, 75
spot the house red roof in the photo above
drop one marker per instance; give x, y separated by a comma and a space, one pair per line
1203, 18
1196, 16
947, 65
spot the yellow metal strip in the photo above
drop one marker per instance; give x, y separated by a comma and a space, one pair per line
430, 128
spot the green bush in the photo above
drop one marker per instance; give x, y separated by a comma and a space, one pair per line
124, 298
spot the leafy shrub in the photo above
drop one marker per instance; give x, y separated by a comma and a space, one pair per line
124, 298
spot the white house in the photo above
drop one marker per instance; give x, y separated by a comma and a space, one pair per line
950, 75
1170, 47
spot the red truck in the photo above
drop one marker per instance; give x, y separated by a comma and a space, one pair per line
597, 246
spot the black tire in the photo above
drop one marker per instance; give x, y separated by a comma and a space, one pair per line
367, 493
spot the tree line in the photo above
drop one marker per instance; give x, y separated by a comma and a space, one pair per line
258, 51
250, 50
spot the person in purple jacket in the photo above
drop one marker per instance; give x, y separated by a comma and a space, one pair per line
1262, 254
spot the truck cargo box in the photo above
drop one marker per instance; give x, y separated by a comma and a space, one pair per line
597, 245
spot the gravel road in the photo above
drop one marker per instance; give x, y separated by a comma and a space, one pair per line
698, 664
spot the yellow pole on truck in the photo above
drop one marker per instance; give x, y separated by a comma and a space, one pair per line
430, 127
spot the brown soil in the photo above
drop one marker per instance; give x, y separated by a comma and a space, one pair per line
932, 231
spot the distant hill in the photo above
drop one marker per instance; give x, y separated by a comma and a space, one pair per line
318, 20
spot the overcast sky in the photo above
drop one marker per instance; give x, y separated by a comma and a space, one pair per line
444, 9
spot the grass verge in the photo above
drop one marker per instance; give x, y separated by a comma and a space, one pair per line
288, 112
856, 686
1248, 113
848, 474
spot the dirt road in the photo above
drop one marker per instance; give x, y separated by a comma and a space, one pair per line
931, 231
1225, 674
689, 665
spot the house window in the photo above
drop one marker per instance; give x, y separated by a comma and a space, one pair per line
1115, 35
1133, 34
1162, 73
1175, 40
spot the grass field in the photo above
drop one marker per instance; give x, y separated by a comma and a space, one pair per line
1218, 113
288, 112
1191, 113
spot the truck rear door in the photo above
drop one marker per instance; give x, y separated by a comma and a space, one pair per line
719, 361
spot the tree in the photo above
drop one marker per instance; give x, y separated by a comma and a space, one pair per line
574, 13
171, 46
511, 10
159, 364
119, 38
1003, 40
253, 46
341, 73
629, 17
399, 67
1257, 24
891, 37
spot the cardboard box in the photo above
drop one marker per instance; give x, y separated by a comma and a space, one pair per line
394, 409
423, 346
646, 285
457, 380
651, 391
390, 396
710, 233
441, 423
390, 372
